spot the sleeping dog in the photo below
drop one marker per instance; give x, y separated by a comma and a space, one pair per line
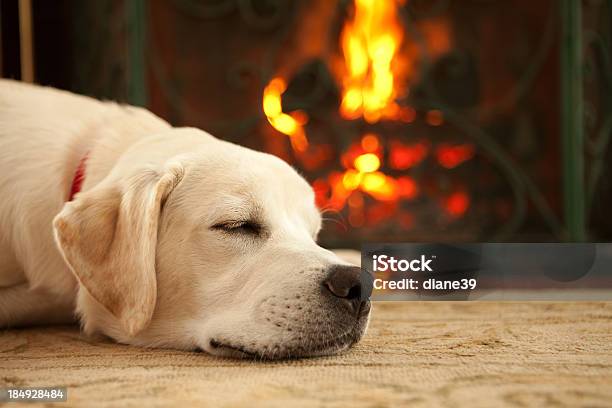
161, 236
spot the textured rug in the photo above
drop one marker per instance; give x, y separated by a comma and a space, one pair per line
472, 354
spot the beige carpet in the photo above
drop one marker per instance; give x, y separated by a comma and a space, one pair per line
472, 354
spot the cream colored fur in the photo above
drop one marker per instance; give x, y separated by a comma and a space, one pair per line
138, 254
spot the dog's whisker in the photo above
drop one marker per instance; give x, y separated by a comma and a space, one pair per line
340, 222
326, 210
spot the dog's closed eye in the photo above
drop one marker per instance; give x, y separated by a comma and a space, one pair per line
245, 227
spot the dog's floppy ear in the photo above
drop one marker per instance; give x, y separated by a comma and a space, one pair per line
108, 236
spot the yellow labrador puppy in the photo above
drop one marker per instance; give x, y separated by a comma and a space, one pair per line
162, 236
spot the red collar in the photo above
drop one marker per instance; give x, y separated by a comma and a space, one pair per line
79, 177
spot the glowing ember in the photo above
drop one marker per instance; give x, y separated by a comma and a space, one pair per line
403, 156
407, 187
407, 114
370, 42
288, 124
434, 118
457, 203
351, 179
451, 156
380, 186
367, 163
370, 143
363, 175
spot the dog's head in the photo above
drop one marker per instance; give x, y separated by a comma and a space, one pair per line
215, 250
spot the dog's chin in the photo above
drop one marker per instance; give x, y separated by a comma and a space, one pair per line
302, 347
227, 348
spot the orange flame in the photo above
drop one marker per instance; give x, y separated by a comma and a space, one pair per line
291, 124
370, 43
376, 66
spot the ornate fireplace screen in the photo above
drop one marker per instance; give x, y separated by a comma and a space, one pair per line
413, 120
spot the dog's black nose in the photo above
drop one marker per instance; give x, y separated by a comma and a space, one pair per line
344, 282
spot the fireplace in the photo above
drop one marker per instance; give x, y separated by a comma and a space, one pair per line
413, 120
407, 120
